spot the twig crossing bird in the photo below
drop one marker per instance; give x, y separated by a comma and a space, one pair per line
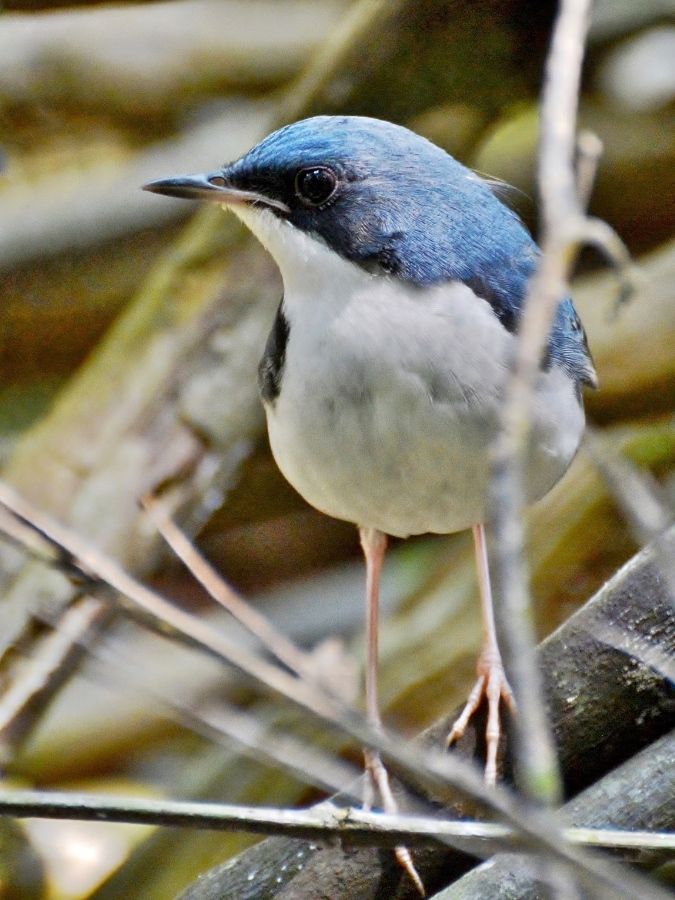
404, 278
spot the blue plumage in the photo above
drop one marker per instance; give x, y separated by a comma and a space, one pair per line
406, 208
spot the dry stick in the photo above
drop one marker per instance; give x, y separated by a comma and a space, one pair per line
53, 657
26, 537
564, 226
308, 765
56, 653
589, 150
259, 626
75, 622
323, 822
216, 722
434, 768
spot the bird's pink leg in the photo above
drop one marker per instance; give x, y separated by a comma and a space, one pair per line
491, 683
374, 545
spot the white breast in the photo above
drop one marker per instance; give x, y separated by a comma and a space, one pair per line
390, 394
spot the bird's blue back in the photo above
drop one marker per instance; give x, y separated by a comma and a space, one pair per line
405, 208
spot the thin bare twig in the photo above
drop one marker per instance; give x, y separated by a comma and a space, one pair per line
51, 655
259, 626
323, 822
588, 153
564, 228
334, 678
537, 768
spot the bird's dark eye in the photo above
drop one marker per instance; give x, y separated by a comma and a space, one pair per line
316, 185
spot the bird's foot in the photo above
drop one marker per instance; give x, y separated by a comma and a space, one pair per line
377, 783
493, 686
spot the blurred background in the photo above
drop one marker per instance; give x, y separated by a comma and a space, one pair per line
130, 331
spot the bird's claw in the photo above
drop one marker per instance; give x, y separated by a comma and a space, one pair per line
493, 686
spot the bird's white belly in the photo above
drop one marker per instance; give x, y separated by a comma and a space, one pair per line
365, 434
394, 463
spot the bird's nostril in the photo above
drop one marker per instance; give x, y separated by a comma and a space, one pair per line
217, 181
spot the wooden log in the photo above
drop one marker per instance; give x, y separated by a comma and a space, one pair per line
640, 794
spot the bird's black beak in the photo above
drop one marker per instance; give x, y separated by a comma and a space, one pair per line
213, 187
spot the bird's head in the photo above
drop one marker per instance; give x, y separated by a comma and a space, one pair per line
334, 188
375, 193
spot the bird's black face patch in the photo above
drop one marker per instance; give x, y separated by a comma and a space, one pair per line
335, 203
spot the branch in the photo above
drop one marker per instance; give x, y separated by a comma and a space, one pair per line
277, 643
537, 766
323, 822
57, 654
564, 228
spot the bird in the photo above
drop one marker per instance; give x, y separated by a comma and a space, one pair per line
404, 279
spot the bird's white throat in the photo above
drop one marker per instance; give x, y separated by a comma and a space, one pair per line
309, 268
